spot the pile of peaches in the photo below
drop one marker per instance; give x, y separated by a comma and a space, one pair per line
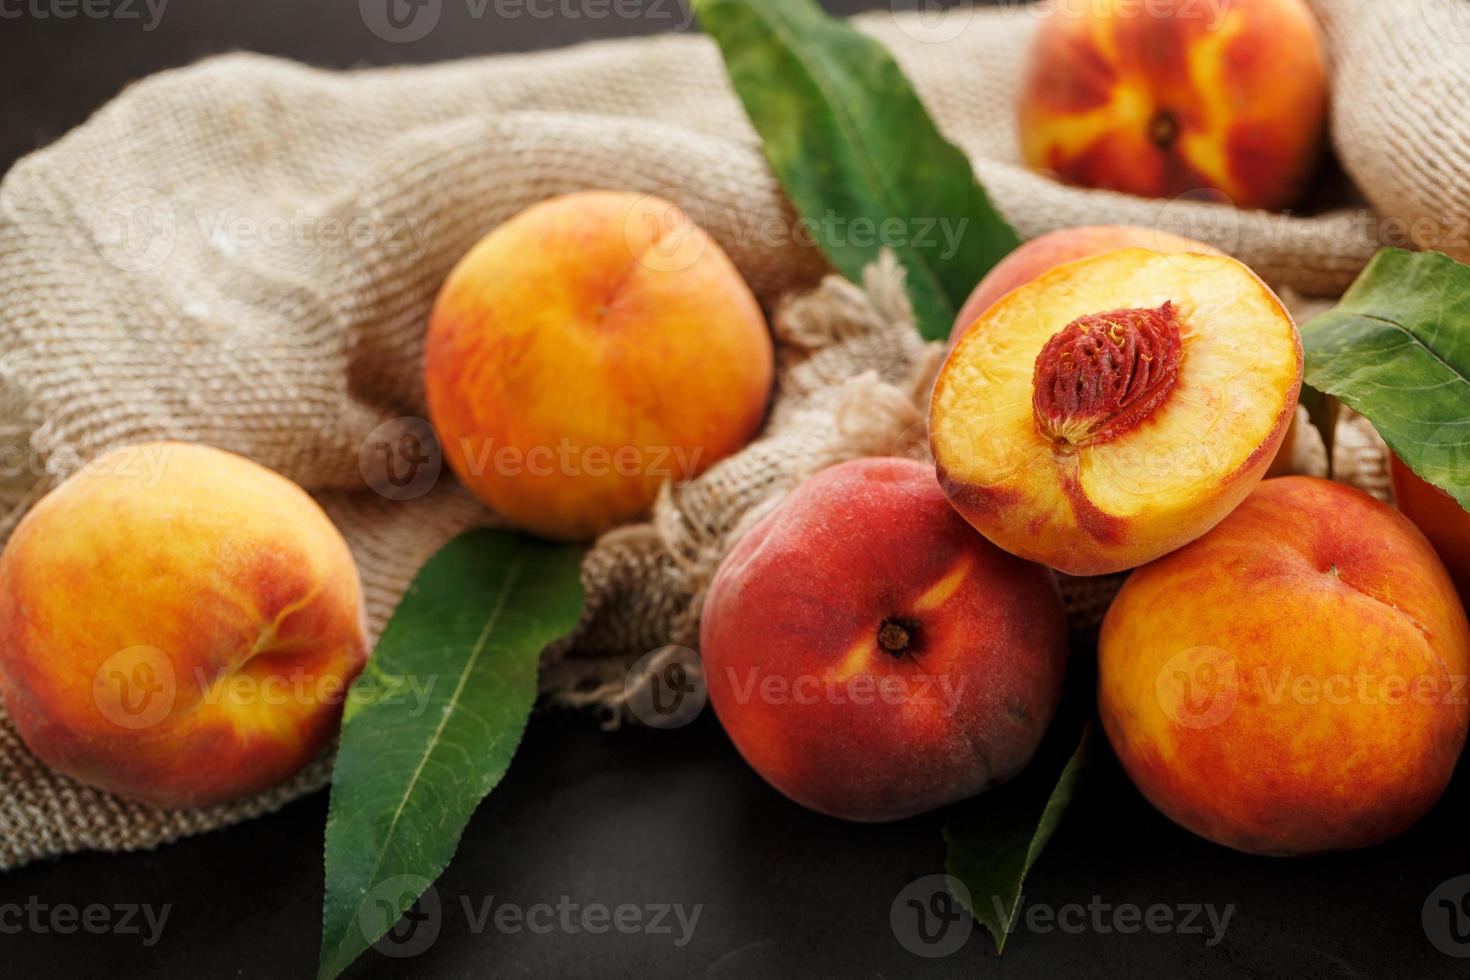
1282, 672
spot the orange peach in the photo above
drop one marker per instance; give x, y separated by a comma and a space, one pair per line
1294, 681
1045, 252
586, 351
1444, 522
871, 656
178, 625
1168, 97
1116, 408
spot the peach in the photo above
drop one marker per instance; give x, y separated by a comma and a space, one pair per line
1115, 408
1045, 252
1444, 522
871, 656
586, 351
1169, 97
178, 625
1294, 681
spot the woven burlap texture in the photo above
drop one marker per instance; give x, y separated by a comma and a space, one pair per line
244, 252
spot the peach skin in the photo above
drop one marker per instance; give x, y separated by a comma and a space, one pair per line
1045, 252
588, 350
178, 625
1444, 522
1169, 97
1293, 682
871, 656
1116, 408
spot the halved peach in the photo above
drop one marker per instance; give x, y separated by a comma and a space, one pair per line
1116, 408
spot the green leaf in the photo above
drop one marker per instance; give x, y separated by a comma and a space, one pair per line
432, 723
1397, 350
995, 838
857, 152
1322, 411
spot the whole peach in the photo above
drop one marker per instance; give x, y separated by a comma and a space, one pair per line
1294, 681
1167, 97
586, 351
871, 656
1045, 252
178, 625
1444, 522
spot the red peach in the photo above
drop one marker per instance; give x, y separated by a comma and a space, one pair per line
1169, 97
872, 656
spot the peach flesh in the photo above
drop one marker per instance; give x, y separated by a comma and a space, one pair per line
1142, 447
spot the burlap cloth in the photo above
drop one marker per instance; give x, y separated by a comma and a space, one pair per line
244, 253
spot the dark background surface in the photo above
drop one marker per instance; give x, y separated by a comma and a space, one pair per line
647, 817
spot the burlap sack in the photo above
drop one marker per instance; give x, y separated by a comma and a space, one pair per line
244, 252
